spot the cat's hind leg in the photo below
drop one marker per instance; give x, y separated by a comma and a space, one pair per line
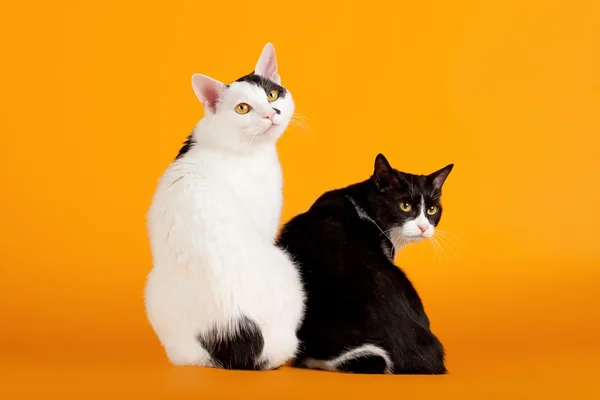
364, 365
187, 351
280, 347
425, 354
279, 309
364, 359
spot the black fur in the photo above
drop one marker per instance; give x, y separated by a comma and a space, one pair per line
364, 365
187, 145
266, 84
239, 351
355, 294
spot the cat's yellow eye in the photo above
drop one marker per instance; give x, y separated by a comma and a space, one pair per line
242, 108
406, 207
273, 95
432, 210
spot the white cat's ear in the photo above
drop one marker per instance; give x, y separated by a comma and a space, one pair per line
267, 64
438, 178
208, 91
384, 176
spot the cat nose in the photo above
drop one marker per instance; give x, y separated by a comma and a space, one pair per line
269, 115
423, 228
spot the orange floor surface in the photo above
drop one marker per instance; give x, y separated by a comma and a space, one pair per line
506, 376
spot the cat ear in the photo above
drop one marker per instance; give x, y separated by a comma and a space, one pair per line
267, 64
438, 178
384, 175
208, 91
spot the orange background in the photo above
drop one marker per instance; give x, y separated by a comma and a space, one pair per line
96, 101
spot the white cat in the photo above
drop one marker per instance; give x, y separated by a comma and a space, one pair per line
221, 294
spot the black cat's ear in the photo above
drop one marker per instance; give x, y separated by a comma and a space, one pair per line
438, 178
384, 175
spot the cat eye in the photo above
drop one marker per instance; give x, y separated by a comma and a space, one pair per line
406, 207
242, 108
432, 210
273, 95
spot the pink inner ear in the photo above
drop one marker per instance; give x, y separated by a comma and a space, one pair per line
275, 78
207, 90
270, 66
211, 95
267, 64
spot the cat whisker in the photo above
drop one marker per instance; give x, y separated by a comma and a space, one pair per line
250, 132
439, 246
448, 235
399, 239
386, 232
251, 140
253, 131
299, 117
382, 232
300, 127
442, 241
449, 240
434, 250
301, 122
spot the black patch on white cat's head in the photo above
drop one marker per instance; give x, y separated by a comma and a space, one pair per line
391, 187
266, 84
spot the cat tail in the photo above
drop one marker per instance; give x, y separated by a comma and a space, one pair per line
364, 359
238, 348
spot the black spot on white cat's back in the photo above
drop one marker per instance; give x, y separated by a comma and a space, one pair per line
240, 349
187, 146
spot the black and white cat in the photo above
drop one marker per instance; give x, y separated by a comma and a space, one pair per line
220, 293
363, 314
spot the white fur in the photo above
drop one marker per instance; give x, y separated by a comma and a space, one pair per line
407, 233
410, 231
361, 351
212, 225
